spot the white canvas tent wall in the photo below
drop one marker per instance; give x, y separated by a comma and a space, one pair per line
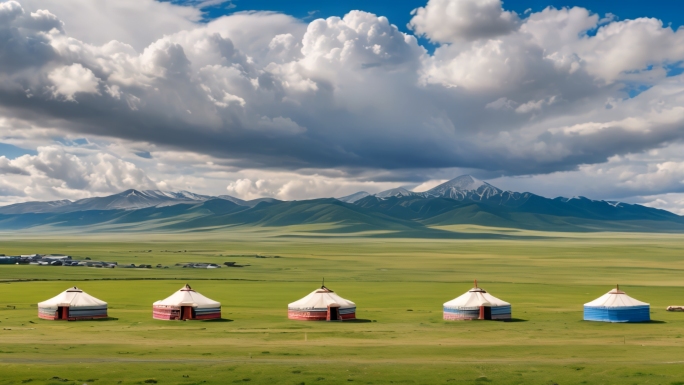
186, 303
617, 306
476, 303
320, 305
72, 304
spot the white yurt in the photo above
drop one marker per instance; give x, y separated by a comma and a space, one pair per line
322, 305
477, 304
72, 305
616, 306
186, 304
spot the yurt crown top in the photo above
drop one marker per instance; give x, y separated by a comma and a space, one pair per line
476, 289
74, 289
324, 289
617, 290
186, 288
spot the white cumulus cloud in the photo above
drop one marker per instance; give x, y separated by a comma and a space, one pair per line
73, 79
453, 21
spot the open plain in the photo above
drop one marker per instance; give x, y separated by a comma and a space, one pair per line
398, 284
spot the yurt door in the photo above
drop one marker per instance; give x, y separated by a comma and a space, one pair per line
333, 312
186, 312
487, 312
63, 313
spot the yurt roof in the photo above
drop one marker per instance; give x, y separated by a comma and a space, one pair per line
186, 296
475, 297
320, 299
72, 297
615, 298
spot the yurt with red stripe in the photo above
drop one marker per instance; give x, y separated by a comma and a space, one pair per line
186, 304
477, 304
322, 305
72, 304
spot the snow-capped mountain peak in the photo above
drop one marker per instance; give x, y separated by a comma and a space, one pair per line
127, 200
182, 194
462, 183
395, 192
136, 199
460, 188
463, 187
466, 183
162, 195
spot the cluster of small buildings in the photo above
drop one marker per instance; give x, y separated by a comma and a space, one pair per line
200, 265
324, 304
143, 266
34, 259
51, 260
66, 260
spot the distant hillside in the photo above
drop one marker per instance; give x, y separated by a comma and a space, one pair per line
126, 200
464, 200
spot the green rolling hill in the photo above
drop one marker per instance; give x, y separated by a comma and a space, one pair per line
463, 200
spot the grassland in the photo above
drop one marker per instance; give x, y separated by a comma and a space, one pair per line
399, 286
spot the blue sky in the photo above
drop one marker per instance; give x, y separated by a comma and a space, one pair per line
399, 11
11, 151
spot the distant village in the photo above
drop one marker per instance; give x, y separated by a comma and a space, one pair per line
67, 260
51, 260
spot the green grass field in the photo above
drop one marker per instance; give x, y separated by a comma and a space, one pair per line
399, 286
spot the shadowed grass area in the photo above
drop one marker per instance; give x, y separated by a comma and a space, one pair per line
399, 286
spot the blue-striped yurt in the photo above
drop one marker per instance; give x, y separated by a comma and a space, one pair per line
616, 306
477, 304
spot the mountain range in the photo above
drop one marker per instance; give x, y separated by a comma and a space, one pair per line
127, 200
463, 200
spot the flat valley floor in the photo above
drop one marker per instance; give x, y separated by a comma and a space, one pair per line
398, 284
